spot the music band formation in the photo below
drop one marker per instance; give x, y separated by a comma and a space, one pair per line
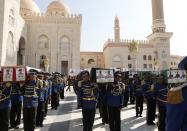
40, 89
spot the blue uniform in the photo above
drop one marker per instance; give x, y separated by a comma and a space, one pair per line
5, 104
131, 92
139, 97
115, 99
30, 98
41, 103
87, 99
115, 95
5, 101
161, 98
148, 93
151, 102
88, 95
55, 94
138, 90
16, 100
161, 94
176, 117
16, 94
30, 104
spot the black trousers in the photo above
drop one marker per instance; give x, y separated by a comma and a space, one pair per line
161, 118
68, 88
132, 98
139, 105
4, 119
46, 107
15, 113
62, 94
40, 113
126, 98
104, 112
151, 110
88, 119
114, 118
54, 100
29, 118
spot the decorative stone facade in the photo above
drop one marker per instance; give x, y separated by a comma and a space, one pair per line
92, 59
28, 35
150, 54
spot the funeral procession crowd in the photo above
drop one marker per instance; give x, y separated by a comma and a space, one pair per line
30, 99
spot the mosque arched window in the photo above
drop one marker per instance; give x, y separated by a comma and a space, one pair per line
43, 42
11, 17
64, 43
10, 44
149, 57
90, 61
144, 57
129, 57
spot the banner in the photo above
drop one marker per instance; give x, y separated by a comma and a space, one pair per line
176, 76
20, 74
13, 74
104, 76
7, 74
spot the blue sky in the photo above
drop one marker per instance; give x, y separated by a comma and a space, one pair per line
135, 21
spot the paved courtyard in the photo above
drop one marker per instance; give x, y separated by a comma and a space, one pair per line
68, 118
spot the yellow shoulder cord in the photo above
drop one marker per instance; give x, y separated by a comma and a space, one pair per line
7, 97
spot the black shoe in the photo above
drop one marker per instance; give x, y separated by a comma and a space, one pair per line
151, 123
11, 127
16, 127
37, 124
41, 125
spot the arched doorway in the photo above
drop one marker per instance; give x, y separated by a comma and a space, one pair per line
21, 52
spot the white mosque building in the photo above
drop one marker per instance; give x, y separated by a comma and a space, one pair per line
51, 40
28, 37
150, 54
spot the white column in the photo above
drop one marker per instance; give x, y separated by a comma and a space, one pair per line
23, 60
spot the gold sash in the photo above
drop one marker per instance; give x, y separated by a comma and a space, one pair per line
175, 95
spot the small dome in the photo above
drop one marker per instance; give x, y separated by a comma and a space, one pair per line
29, 6
58, 7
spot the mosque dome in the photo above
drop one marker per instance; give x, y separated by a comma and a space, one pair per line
29, 6
58, 7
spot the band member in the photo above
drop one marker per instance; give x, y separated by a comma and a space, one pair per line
62, 85
131, 92
16, 100
70, 83
138, 96
55, 93
87, 96
30, 102
5, 105
161, 90
46, 85
150, 99
115, 101
103, 103
41, 100
176, 116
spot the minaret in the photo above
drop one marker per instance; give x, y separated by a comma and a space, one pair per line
158, 24
160, 39
116, 30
